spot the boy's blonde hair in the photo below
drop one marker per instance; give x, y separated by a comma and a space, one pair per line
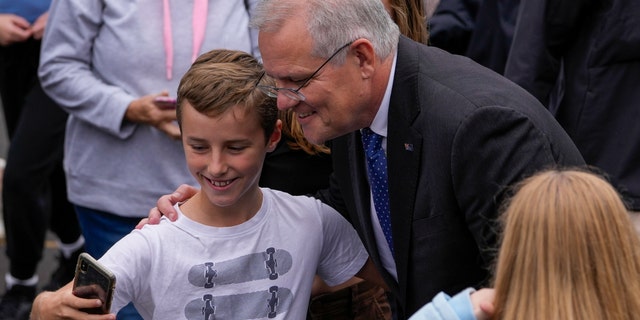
569, 251
222, 79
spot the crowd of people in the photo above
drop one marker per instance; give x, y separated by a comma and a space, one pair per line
333, 159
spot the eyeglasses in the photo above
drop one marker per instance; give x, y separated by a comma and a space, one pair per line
295, 94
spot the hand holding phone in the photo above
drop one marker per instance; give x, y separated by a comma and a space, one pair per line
164, 102
94, 281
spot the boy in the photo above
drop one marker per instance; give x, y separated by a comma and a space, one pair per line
237, 251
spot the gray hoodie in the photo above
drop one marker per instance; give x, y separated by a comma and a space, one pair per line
100, 55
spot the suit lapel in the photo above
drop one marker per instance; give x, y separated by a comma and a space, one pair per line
404, 150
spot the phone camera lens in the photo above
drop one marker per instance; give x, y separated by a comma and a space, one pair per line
83, 266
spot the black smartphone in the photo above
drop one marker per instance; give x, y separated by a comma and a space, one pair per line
164, 102
94, 281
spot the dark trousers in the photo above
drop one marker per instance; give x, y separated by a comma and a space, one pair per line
34, 187
18, 75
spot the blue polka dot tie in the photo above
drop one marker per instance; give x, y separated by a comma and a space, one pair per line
377, 169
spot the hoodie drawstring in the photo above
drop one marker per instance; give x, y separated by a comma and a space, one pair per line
200, 12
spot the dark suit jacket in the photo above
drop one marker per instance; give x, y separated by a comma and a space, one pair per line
458, 135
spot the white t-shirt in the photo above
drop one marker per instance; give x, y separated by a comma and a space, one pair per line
260, 269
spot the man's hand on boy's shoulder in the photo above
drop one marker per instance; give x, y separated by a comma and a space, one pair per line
165, 204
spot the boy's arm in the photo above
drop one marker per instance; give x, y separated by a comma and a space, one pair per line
62, 304
371, 274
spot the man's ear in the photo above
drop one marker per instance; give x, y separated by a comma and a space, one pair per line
275, 136
366, 55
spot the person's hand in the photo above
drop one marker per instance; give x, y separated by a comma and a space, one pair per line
13, 29
169, 128
90, 291
38, 26
164, 206
62, 304
145, 110
482, 302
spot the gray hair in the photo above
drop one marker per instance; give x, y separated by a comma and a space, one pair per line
333, 23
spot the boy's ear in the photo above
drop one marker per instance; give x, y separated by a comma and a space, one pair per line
275, 136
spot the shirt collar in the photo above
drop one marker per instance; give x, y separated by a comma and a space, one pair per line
379, 124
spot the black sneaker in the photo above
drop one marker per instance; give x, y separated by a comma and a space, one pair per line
65, 271
16, 303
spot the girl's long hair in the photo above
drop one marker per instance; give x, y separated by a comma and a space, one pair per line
568, 251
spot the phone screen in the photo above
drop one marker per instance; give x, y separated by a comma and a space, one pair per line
165, 102
94, 281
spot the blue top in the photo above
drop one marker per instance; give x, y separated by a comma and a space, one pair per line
443, 307
28, 9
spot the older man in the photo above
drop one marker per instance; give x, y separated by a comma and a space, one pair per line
454, 135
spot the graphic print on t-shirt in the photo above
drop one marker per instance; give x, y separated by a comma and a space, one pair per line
261, 304
273, 300
268, 264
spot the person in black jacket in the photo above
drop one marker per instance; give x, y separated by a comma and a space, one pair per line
582, 60
480, 30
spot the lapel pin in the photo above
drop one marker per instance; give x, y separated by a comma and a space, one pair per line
408, 146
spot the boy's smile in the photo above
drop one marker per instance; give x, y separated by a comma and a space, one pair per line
219, 184
225, 154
